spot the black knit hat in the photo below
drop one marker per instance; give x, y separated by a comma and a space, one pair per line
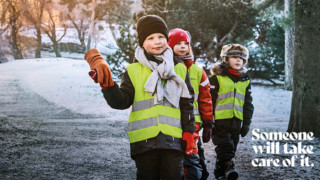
148, 25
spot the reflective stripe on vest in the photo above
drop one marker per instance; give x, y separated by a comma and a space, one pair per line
147, 119
230, 98
195, 75
153, 121
196, 110
145, 104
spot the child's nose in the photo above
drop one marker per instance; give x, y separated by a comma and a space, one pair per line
157, 40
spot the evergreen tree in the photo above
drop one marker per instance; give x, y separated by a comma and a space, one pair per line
211, 23
125, 54
126, 41
266, 60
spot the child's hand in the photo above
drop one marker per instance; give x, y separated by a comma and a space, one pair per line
188, 138
93, 75
208, 129
97, 63
244, 130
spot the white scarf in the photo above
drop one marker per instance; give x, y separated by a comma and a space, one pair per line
174, 88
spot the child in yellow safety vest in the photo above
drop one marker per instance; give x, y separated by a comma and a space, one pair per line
180, 42
232, 101
160, 93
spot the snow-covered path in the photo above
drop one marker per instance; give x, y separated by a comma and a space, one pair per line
46, 132
64, 82
55, 124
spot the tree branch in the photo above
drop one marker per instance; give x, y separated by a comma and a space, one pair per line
226, 35
266, 4
64, 33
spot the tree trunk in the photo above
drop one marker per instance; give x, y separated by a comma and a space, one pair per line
56, 49
83, 44
37, 24
289, 49
305, 109
80, 29
91, 25
50, 30
38, 48
14, 33
14, 43
81, 36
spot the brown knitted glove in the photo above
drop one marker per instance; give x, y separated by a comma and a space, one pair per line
96, 62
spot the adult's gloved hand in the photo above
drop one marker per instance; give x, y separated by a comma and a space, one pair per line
208, 129
97, 63
188, 138
244, 129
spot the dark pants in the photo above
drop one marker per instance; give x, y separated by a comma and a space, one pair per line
226, 138
192, 167
165, 164
195, 166
205, 173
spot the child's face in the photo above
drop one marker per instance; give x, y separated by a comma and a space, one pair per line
235, 62
181, 48
155, 43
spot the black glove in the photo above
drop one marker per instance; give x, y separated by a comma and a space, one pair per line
244, 130
213, 130
207, 125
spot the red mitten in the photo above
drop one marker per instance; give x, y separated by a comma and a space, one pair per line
188, 137
93, 75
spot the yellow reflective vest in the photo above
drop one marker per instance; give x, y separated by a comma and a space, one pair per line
230, 98
147, 119
195, 74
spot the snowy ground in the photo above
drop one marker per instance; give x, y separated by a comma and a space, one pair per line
55, 124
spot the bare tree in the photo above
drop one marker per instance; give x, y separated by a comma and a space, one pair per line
4, 12
81, 28
78, 16
14, 26
51, 30
305, 109
33, 12
5, 51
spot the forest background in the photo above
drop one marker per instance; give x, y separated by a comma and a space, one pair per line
260, 25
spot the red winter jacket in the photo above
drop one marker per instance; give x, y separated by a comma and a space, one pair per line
204, 98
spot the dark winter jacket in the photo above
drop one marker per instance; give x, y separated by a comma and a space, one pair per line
222, 69
204, 97
122, 98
